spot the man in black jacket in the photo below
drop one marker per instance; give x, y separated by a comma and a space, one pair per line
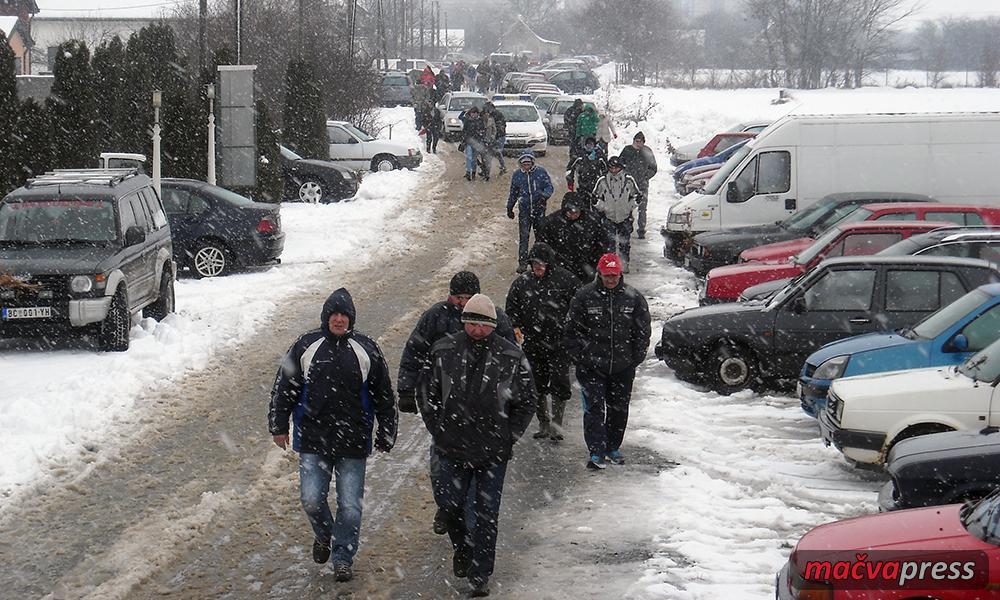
496, 146
473, 144
583, 172
577, 236
607, 335
334, 383
640, 163
480, 401
569, 122
537, 304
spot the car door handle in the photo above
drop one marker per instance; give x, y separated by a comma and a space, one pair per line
860, 320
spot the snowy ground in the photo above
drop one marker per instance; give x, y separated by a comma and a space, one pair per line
61, 404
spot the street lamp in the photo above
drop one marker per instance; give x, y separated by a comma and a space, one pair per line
157, 102
210, 94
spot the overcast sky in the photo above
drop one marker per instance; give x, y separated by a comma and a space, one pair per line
938, 9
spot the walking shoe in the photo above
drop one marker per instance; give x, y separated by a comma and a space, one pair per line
321, 551
543, 432
460, 562
616, 457
486, 177
596, 462
468, 176
440, 524
480, 587
342, 572
522, 268
555, 436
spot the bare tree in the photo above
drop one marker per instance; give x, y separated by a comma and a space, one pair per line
638, 32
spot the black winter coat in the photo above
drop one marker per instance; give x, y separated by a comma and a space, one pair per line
414, 366
640, 164
538, 305
473, 129
607, 331
578, 244
501, 123
334, 388
583, 173
569, 119
480, 399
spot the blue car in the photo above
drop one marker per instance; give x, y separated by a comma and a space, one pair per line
944, 338
715, 159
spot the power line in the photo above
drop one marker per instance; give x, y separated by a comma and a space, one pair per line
99, 9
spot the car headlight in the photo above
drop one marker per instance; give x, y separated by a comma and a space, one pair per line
832, 368
683, 218
81, 284
347, 175
452, 121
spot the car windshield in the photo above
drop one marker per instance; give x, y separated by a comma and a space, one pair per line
560, 107
905, 247
804, 219
722, 174
287, 153
362, 135
519, 114
396, 81
464, 103
984, 365
227, 195
821, 244
543, 102
983, 519
856, 216
935, 324
55, 221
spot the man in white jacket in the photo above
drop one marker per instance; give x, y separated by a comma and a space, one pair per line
617, 197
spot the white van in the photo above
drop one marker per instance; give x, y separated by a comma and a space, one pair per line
792, 164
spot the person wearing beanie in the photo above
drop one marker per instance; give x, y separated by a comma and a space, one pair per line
480, 401
617, 198
530, 190
640, 163
583, 172
537, 303
606, 336
349, 388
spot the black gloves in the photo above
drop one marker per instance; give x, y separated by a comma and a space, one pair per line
510, 213
408, 401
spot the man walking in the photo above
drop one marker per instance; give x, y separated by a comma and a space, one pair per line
473, 132
530, 189
334, 383
480, 401
640, 163
577, 236
569, 123
607, 335
584, 171
496, 146
537, 304
617, 197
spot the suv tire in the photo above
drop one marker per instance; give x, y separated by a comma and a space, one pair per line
114, 332
164, 304
210, 259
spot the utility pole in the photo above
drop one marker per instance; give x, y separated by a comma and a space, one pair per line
354, 24
381, 35
301, 35
422, 29
202, 29
238, 5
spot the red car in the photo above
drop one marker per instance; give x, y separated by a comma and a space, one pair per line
958, 214
724, 284
929, 540
721, 141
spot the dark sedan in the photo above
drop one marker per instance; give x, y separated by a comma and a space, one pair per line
315, 181
736, 345
216, 230
942, 468
717, 248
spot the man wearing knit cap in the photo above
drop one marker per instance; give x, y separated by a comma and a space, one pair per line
480, 400
607, 335
530, 189
334, 383
640, 163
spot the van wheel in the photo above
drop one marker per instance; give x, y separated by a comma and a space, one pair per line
164, 304
114, 334
384, 162
733, 368
210, 259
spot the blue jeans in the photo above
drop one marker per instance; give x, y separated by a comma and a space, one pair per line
500, 144
620, 235
525, 223
470, 500
344, 531
451, 487
470, 157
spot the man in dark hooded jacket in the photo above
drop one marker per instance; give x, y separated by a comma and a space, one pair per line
640, 163
583, 173
569, 122
577, 237
537, 304
334, 384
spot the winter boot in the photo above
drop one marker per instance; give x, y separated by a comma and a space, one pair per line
468, 176
616, 457
342, 572
480, 587
321, 551
543, 431
460, 562
440, 522
596, 463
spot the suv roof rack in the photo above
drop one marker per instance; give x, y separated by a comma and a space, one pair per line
107, 177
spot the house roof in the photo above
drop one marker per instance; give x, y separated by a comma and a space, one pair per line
7, 25
522, 23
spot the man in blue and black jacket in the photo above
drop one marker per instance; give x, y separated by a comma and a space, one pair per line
530, 190
334, 384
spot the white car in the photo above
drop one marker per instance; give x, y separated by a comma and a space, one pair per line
868, 414
355, 149
452, 104
525, 130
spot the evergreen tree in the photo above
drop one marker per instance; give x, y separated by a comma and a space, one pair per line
113, 108
72, 107
269, 180
31, 141
8, 117
305, 112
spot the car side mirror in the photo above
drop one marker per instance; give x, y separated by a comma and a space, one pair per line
798, 305
959, 343
732, 192
352, 141
135, 235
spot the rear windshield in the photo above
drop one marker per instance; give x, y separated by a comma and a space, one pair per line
396, 81
55, 221
519, 114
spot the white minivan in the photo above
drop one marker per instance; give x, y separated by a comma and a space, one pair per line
799, 159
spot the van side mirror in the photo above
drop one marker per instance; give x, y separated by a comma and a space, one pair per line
959, 343
798, 305
732, 192
135, 235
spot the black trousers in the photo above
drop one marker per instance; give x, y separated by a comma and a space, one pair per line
605, 408
550, 368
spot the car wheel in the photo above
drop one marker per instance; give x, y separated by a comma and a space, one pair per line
733, 368
210, 259
164, 304
384, 162
311, 192
114, 332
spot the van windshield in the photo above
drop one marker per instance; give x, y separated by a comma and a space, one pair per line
57, 221
713, 185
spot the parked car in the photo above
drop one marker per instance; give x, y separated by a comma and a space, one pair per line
525, 130
696, 179
123, 160
715, 160
945, 338
718, 248
544, 101
724, 284
553, 119
867, 415
942, 468
737, 345
947, 535
355, 149
512, 81
316, 181
690, 151
452, 104
215, 229
86, 249
536, 90
577, 81
396, 89
981, 243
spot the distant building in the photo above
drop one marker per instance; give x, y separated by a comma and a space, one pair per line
15, 27
520, 37
692, 9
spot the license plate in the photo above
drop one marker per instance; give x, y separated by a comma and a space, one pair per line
798, 389
28, 312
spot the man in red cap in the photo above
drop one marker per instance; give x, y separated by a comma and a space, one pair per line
606, 336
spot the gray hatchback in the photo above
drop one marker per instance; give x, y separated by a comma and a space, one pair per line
396, 90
